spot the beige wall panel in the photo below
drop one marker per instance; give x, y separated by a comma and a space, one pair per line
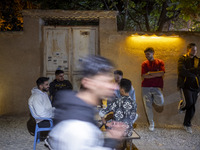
21, 63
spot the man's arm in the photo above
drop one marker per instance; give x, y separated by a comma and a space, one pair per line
153, 74
106, 110
132, 93
182, 69
52, 90
69, 85
39, 108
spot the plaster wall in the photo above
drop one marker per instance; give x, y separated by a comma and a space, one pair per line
128, 56
21, 60
20, 63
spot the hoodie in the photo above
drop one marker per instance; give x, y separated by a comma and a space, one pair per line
40, 104
75, 126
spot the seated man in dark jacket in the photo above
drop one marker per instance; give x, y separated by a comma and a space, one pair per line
59, 84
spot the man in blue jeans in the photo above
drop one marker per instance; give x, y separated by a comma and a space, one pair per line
152, 73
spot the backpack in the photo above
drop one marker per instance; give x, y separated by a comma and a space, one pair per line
31, 123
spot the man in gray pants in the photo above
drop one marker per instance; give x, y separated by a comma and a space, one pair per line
152, 73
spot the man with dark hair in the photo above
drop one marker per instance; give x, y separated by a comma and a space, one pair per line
188, 83
40, 103
59, 84
74, 116
152, 73
118, 74
124, 108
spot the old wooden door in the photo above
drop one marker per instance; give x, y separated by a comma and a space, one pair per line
64, 48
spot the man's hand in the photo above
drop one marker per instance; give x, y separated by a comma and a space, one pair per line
116, 130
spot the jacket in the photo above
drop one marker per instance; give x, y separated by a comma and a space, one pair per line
75, 127
188, 72
40, 104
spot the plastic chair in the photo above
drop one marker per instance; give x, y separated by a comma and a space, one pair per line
39, 129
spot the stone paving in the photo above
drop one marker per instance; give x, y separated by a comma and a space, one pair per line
14, 136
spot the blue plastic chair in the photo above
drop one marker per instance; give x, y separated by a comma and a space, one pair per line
39, 129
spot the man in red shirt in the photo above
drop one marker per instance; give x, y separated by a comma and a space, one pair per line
152, 73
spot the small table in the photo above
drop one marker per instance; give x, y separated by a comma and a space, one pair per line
135, 135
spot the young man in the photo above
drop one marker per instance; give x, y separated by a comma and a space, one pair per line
188, 82
118, 74
152, 72
59, 84
74, 117
124, 108
40, 103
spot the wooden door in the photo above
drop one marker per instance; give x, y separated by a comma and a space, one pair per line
64, 48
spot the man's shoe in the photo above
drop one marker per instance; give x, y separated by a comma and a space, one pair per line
47, 144
180, 106
188, 129
151, 126
182, 103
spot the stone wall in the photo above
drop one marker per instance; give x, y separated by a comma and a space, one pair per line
21, 58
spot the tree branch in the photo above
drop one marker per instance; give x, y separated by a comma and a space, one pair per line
135, 20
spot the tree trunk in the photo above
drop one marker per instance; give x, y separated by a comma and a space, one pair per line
162, 18
126, 13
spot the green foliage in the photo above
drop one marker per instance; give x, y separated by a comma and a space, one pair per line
138, 15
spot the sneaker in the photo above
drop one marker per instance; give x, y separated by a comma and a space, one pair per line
188, 129
151, 126
182, 102
47, 144
180, 106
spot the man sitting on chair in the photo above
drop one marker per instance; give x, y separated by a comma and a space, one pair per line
124, 108
40, 103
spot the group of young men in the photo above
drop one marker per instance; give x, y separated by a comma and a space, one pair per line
74, 122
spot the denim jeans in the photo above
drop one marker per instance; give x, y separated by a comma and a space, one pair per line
151, 95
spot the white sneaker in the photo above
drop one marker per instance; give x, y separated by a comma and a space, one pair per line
47, 144
151, 126
188, 129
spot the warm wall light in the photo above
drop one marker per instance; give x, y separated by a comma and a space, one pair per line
138, 43
150, 37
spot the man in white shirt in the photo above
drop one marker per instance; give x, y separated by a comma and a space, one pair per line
40, 103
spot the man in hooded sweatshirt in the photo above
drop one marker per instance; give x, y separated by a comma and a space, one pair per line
40, 103
75, 127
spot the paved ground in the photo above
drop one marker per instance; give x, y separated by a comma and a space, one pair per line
14, 136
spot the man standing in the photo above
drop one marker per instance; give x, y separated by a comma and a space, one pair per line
74, 117
152, 84
59, 84
188, 82
40, 103
118, 74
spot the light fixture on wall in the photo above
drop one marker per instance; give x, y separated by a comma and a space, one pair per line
165, 43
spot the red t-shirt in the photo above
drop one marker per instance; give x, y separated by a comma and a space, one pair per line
155, 65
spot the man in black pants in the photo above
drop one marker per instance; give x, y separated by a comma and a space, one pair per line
188, 82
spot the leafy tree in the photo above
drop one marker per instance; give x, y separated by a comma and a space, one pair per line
138, 15
10, 15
